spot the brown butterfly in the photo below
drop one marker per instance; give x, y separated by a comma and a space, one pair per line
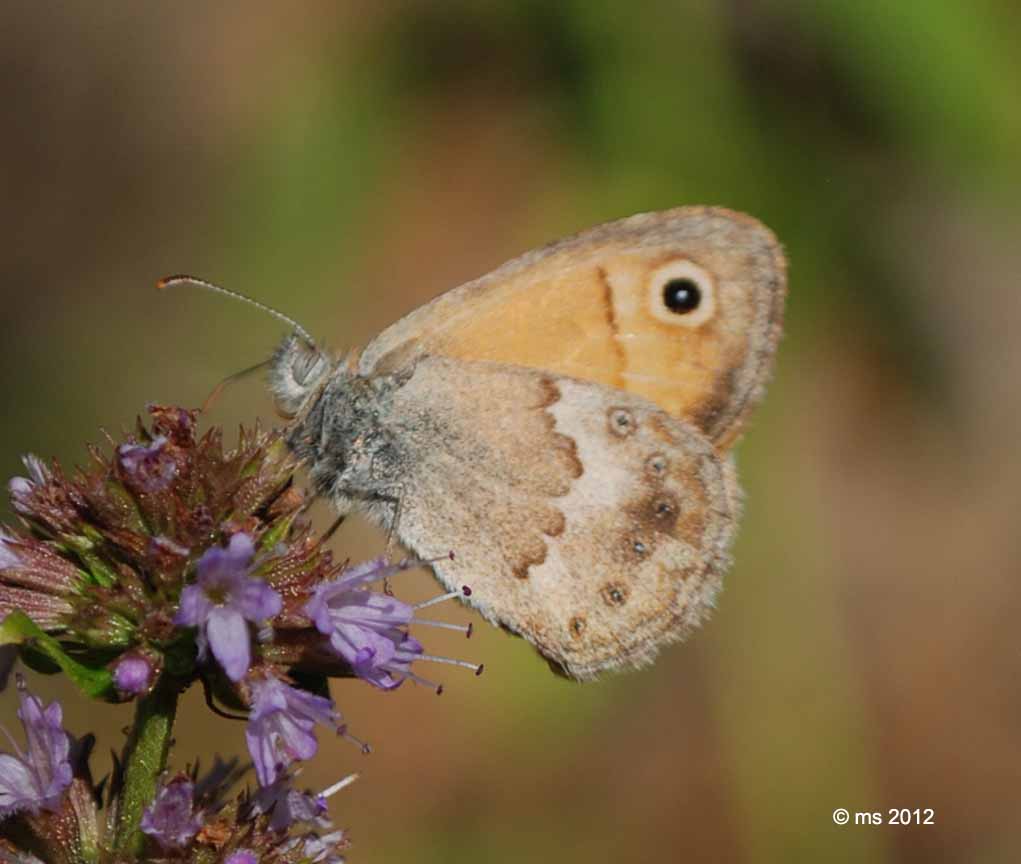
564, 425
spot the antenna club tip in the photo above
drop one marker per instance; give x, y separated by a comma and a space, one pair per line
166, 281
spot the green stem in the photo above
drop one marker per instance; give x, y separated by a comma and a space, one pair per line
145, 757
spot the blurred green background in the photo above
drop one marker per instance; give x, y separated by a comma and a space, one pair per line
346, 161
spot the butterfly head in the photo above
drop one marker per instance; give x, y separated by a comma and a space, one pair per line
298, 372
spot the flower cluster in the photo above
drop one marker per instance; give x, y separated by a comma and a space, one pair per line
169, 561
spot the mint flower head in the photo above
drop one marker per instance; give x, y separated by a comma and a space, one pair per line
171, 559
126, 556
38, 778
223, 600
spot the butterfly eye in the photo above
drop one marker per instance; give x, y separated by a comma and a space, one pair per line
682, 294
295, 371
305, 367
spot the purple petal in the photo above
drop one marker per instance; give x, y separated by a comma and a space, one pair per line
148, 466
37, 469
230, 641
219, 565
18, 789
280, 728
288, 805
194, 607
241, 549
48, 744
351, 641
257, 601
368, 571
314, 709
36, 779
370, 608
378, 677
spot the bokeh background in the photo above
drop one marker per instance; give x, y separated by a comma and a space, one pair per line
346, 161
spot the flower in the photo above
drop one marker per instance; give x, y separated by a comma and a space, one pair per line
37, 779
20, 488
357, 620
223, 599
100, 561
171, 819
280, 727
393, 672
132, 674
326, 848
368, 629
243, 856
148, 467
287, 805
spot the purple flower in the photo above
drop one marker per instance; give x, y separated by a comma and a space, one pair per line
149, 467
287, 805
393, 672
20, 488
39, 778
243, 856
280, 727
221, 602
325, 849
132, 675
368, 629
357, 620
171, 819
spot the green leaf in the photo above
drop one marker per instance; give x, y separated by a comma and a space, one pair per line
18, 629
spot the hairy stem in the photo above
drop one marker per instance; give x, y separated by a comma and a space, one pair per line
145, 757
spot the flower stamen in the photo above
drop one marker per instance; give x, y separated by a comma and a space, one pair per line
343, 783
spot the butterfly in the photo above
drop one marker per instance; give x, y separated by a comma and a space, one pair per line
564, 426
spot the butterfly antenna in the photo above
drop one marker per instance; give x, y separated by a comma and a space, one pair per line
230, 379
172, 281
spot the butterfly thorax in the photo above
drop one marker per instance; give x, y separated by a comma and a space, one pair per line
342, 438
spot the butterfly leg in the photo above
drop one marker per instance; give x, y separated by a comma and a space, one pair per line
395, 501
382, 506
